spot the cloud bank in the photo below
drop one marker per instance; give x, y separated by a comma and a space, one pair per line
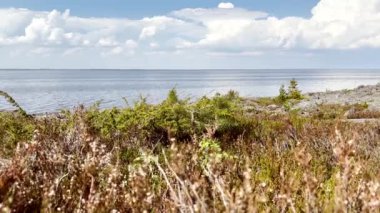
226, 30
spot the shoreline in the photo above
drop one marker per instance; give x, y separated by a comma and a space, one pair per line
142, 152
364, 94
369, 94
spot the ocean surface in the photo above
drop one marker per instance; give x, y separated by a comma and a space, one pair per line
40, 91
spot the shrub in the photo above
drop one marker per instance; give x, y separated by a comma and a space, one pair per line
123, 160
283, 96
14, 129
293, 93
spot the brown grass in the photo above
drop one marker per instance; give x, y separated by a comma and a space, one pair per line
276, 163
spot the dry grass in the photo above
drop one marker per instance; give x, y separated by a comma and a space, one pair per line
105, 161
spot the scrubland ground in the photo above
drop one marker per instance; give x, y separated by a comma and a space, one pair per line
219, 154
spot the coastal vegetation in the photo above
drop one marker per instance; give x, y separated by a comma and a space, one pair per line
286, 98
221, 154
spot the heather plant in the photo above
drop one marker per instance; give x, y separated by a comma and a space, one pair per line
349, 111
208, 155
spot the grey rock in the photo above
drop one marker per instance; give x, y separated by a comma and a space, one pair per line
272, 107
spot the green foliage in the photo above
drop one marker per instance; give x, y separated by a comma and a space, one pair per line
173, 119
172, 97
209, 145
293, 93
13, 102
174, 116
210, 150
220, 116
266, 101
283, 95
350, 111
209, 155
14, 129
329, 111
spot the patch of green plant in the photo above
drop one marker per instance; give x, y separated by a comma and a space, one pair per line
335, 111
329, 111
267, 101
210, 150
206, 155
13, 130
292, 93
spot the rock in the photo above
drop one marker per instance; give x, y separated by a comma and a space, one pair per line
362, 94
272, 107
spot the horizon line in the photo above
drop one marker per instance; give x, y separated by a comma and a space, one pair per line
188, 69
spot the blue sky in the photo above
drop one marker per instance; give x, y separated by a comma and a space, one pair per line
143, 8
189, 34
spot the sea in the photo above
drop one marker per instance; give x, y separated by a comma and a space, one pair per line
46, 91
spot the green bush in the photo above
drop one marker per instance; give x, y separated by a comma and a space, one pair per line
13, 130
208, 155
293, 93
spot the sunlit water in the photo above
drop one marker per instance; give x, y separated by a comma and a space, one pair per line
41, 91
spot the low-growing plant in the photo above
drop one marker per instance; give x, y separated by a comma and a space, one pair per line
209, 155
14, 129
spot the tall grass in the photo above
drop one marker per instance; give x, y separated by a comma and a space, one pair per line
205, 156
13, 103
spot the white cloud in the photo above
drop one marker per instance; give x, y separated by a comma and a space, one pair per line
148, 32
229, 54
345, 24
107, 42
154, 45
226, 5
131, 44
223, 31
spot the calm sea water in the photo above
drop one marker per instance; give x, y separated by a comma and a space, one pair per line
41, 91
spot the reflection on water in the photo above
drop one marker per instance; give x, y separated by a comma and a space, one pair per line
49, 90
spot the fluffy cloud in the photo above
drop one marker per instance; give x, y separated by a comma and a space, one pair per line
344, 24
226, 5
223, 30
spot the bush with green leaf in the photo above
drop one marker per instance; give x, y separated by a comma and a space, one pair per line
13, 130
207, 155
293, 93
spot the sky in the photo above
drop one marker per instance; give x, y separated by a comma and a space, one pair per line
189, 34
144, 8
